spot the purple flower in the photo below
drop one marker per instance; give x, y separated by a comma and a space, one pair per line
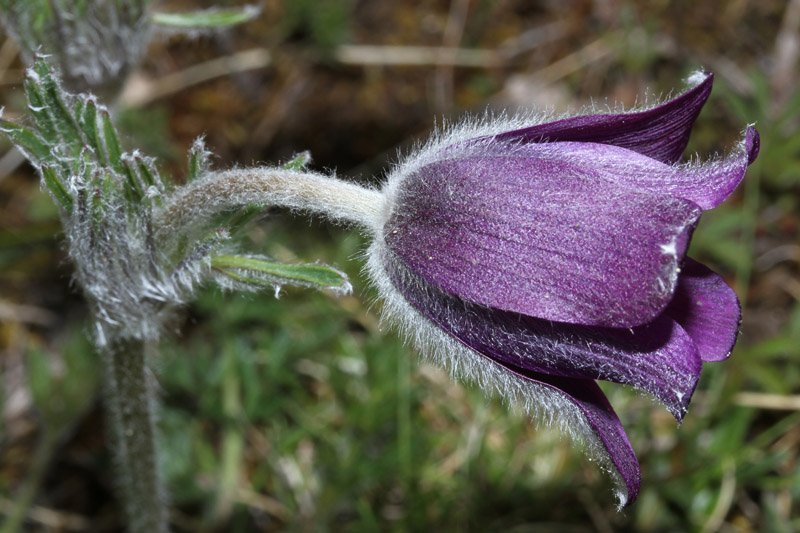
536, 259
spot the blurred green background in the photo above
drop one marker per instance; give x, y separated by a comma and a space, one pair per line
302, 413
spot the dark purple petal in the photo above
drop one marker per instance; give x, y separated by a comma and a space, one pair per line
541, 236
601, 418
659, 358
706, 184
752, 144
606, 439
661, 132
707, 309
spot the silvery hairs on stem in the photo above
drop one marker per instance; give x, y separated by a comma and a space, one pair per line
141, 244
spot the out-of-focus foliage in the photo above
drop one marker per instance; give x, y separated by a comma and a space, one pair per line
63, 383
324, 23
95, 42
209, 19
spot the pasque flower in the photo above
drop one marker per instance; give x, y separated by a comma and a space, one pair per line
533, 257
536, 257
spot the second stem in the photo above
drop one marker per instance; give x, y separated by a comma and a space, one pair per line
130, 404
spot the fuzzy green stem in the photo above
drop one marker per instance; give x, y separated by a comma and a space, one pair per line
201, 200
130, 406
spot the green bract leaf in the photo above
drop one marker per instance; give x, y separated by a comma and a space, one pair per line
198, 159
112, 142
26, 140
88, 119
207, 19
41, 116
261, 273
56, 188
63, 121
146, 171
299, 161
75, 138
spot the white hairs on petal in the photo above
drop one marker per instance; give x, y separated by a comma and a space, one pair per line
544, 404
696, 78
488, 125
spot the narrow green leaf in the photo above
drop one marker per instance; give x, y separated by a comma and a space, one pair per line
99, 189
26, 140
77, 110
88, 118
241, 218
97, 208
207, 19
113, 149
150, 179
146, 171
263, 273
41, 116
299, 161
197, 160
57, 188
131, 172
53, 97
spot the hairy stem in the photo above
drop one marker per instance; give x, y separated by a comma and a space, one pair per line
130, 405
198, 202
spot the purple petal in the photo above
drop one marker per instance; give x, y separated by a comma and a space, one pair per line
752, 144
541, 236
600, 416
558, 398
659, 358
706, 184
661, 132
707, 309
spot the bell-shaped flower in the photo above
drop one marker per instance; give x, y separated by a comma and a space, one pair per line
537, 259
